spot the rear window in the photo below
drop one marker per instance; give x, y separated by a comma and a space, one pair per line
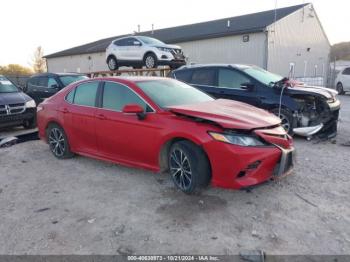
205, 76
183, 75
85, 94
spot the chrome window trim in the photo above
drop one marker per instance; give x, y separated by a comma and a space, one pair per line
98, 81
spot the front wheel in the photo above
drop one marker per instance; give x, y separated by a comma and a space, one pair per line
189, 166
58, 142
340, 89
286, 119
150, 61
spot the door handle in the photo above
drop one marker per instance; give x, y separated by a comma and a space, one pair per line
101, 116
46, 91
262, 97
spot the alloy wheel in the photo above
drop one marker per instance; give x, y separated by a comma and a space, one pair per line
112, 64
180, 169
57, 142
150, 61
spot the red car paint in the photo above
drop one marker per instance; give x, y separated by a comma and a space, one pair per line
123, 138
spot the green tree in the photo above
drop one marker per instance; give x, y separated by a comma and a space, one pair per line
15, 69
39, 63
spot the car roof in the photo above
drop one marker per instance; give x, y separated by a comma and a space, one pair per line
57, 74
131, 78
193, 66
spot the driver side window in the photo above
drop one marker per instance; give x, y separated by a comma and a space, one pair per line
231, 78
116, 96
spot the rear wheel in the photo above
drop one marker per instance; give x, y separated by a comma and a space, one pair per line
340, 89
112, 63
189, 166
286, 119
150, 61
58, 142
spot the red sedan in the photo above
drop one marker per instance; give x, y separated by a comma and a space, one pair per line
163, 124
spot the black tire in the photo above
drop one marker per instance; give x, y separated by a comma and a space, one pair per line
340, 89
287, 119
29, 124
188, 166
112, 63
58, 142
150, 61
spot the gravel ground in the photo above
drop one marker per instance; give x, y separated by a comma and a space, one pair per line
85, 206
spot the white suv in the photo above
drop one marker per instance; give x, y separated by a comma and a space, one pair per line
139, 51
343, 81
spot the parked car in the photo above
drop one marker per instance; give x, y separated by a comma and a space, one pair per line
303, 110
42, 86
138, 51
343, 81
16, 108
163, 124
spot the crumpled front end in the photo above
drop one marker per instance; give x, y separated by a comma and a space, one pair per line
239, 167
316, 116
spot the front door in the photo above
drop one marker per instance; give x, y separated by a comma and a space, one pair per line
123, 137
233, 84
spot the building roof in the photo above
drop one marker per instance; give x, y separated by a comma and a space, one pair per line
244, 24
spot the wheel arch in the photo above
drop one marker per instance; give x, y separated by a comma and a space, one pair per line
165, 148
111, 56
147, 53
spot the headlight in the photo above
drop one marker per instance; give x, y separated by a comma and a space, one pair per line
237, 139
164, 49
30, 104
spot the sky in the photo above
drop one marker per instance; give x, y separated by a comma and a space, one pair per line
60, 24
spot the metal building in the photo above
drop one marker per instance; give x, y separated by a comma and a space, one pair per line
289, 41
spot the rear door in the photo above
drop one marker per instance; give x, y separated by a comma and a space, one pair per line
205, 79
120, 48
79, 112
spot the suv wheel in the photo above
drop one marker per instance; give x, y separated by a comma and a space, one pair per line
189, 167
150, 61
112, 63
58, 142
286, 119
340, 88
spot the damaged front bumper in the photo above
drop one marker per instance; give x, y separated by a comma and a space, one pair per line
328, 126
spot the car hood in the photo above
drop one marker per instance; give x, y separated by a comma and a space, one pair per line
168, 46
13, 98
314, 90
229, 114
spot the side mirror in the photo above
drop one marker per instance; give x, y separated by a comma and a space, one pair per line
137, 43
135, 109
247, 86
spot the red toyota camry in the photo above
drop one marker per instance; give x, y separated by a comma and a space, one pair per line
163, 124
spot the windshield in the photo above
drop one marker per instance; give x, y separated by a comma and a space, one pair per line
262, 75
66, 80
150, 40
167, 92
6, 86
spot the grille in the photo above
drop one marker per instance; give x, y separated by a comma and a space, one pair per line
12, 109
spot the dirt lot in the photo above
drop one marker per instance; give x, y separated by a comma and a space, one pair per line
84, 206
